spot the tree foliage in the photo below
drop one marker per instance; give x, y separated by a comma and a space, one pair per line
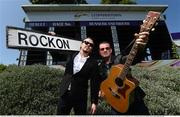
118, 2
175, 54
58, 1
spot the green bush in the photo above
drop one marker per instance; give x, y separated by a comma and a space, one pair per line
162, 88
29, 90
2, 67
34, 90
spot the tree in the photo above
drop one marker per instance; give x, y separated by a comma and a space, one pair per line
58, 1
118, 2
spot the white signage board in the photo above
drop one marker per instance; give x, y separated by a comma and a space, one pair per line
85, 16
22, 38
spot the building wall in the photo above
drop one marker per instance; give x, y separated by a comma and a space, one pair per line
117, 27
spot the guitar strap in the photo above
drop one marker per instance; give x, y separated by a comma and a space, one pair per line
121, 58
124, 50
140, 52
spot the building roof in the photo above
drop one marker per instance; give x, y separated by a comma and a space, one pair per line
93, 7
175, 35
176, 38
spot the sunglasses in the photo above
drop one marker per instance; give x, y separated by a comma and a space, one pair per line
88, 43
107, 48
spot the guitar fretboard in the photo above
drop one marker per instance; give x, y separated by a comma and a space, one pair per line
147, 25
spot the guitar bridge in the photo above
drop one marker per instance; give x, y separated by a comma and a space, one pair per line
114, 93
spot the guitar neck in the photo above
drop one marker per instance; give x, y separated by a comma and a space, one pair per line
129, 61
147, 25
131, 56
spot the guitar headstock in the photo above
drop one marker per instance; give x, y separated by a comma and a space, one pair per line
150, 20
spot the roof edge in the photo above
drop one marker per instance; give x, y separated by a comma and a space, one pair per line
93, 7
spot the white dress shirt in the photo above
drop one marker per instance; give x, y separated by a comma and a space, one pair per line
78, 63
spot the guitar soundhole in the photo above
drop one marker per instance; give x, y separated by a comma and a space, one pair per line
119, 82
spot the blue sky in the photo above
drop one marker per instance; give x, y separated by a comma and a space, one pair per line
11, 14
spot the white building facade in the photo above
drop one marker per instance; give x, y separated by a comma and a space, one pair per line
114, 23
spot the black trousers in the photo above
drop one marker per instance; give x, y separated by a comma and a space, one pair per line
68, 102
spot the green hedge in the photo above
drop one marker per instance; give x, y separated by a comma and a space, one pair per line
162, 88
34, 90
29, 90
2, 67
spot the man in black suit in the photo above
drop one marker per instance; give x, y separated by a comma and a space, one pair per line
79, 69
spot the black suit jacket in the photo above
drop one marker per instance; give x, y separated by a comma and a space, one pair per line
79, 81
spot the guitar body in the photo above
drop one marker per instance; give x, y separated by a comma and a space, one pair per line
118, 96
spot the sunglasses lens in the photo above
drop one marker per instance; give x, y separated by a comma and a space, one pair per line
86, 42
107, 48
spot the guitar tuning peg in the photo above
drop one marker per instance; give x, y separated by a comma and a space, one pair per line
153, 29
144, 21
156, 24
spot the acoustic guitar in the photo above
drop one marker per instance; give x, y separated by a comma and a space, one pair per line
118, 88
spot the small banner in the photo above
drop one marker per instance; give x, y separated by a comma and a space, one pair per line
23, 38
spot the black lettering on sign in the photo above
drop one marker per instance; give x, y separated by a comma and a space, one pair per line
22, 37
41, 40
51, 42
33, 40
66, 44
59, 43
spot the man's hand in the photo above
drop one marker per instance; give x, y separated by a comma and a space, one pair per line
93, 108
52, 33
142, 38
101, 94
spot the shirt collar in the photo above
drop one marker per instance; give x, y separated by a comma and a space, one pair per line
79, 56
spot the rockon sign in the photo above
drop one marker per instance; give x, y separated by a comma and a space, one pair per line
22, 38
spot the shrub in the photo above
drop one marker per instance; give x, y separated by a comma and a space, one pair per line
29, 90
34, 90
162, 89
2, 67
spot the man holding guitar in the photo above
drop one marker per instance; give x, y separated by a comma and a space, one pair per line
118, 87
137, 107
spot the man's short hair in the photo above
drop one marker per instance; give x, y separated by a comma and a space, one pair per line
103, 42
